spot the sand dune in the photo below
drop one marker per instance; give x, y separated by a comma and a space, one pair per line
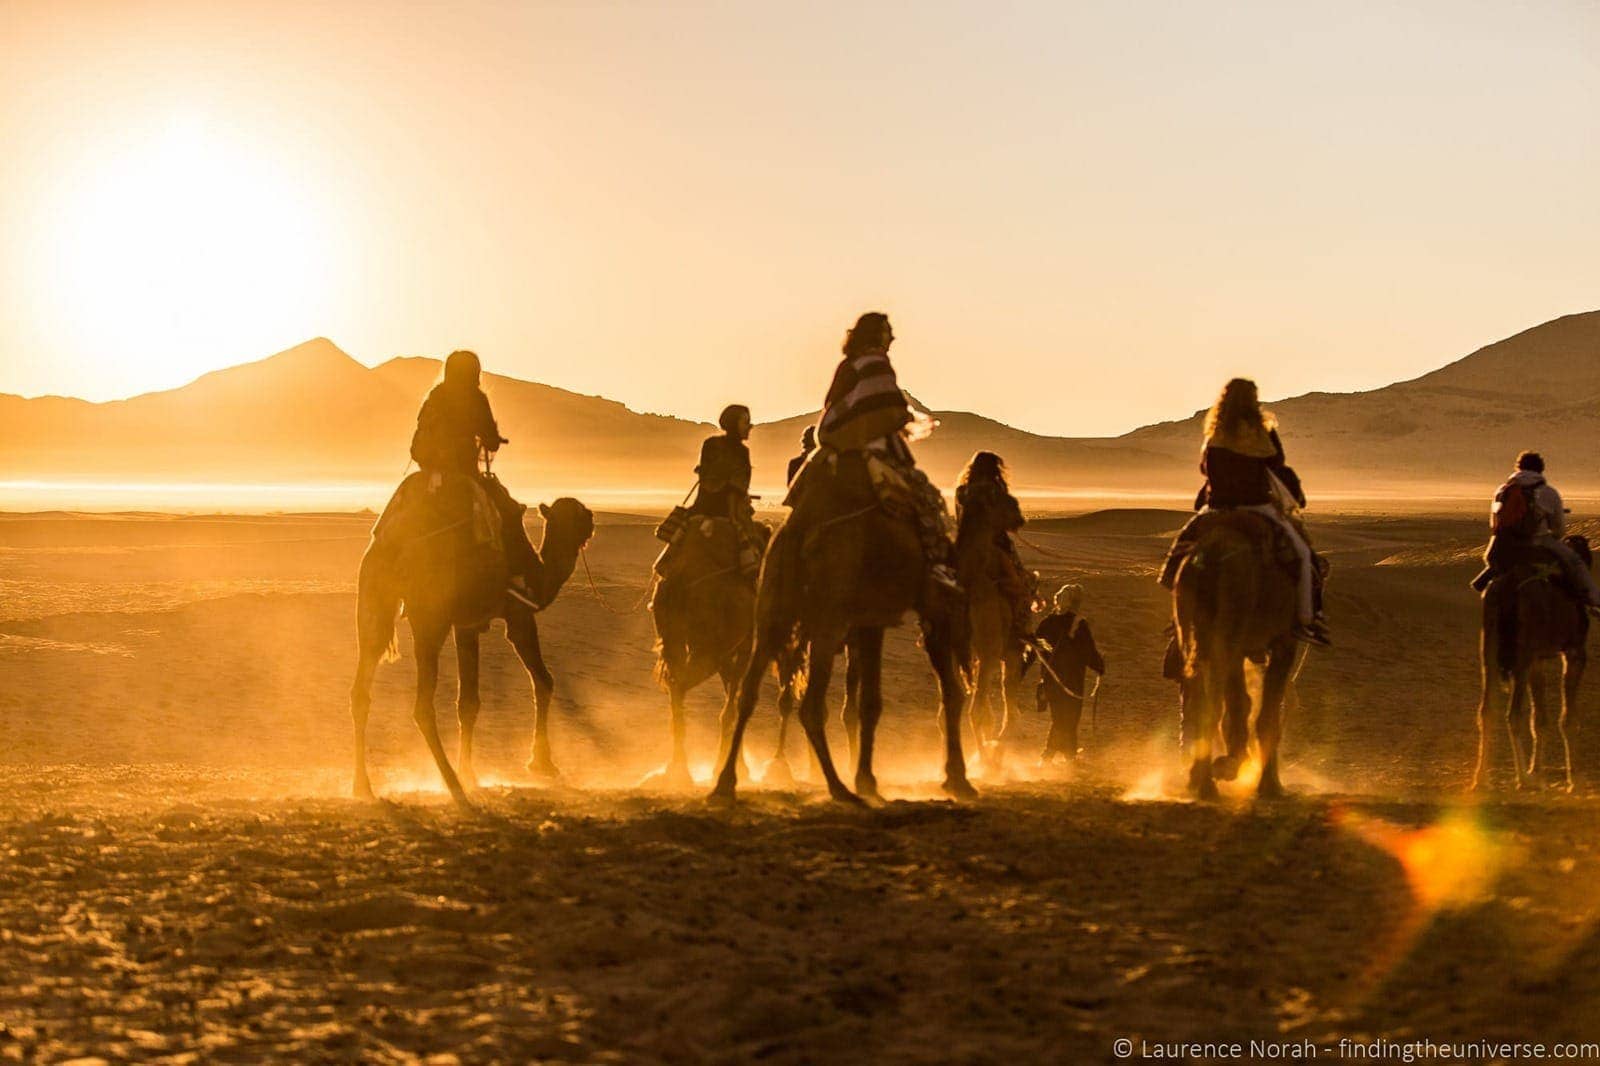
184, 874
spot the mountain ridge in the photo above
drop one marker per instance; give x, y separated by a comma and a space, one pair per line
312, 412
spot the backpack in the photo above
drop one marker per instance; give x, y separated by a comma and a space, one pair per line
1515, 512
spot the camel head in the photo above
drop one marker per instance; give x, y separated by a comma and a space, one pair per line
569, 521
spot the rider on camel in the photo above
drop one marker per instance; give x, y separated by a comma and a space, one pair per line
724, 471
808, 444
983, 488
721, 493
865, 411
1243, 463
455, 422
1528, 513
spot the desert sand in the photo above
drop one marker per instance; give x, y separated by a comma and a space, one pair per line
184, 877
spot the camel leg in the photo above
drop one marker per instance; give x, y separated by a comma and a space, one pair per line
426, 642
1235, 727
467, 703
823, 647
749, 692
1269, 724
1517, 710
1486, 707
786, 703
1201, 725
1010, 682
869, 644
1561, 725
982, 705
952, 699
522, 630
850, 715
360, 708
376, 604
675, 774
777, 773
1577, 661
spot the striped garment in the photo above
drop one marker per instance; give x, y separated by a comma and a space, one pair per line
864, 403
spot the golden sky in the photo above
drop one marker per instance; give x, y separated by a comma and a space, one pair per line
1082, 216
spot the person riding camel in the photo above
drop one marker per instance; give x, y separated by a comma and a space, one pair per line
455, 422
1243, 463
865, 411
722, 492
983, 487
724, 471
808, 444
1527, 514
1068, 649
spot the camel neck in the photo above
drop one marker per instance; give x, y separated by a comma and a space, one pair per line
559, 553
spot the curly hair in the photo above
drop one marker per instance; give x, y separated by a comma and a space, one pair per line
1238, 408
984, 465
872, 330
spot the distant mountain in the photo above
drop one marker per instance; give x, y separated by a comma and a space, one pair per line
312, 413
1460, 425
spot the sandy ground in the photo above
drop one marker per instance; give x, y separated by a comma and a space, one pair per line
180, 874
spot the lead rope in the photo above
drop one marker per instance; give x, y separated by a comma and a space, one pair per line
594, 589
1046, 552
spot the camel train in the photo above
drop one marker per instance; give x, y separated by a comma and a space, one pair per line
868, 541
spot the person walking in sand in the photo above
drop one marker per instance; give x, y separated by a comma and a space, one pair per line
1067, 653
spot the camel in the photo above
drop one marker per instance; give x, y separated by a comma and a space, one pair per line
1530, 622
1234, 602
996, 647
850, 575
703, 615
446, 582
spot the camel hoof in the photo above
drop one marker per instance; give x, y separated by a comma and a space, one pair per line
959, 788
845, 796
867, 791
1225, 768
776, 774
1271, 788
1201, 783
544, 768
674, 777
721, 796
362, 789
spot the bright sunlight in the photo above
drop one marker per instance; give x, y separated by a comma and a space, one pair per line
184, 240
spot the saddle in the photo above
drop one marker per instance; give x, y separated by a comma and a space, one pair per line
444, 531
1280, 549
860, 477
428, 505
703, 546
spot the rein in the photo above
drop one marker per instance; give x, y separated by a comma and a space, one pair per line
1048, 553
1044, 664
594, 589
820, 526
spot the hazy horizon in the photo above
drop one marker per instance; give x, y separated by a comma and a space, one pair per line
1082, 218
